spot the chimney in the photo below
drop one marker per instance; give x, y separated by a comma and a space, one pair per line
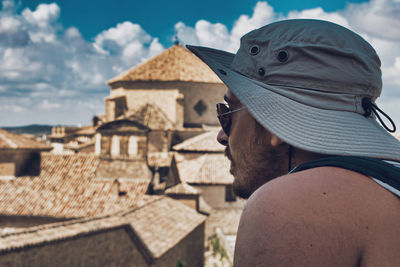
115, 187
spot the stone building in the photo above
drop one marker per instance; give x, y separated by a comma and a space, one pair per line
19, 155
176, 81
135, 133
65, 215
72, 139
155, 105
147, 235
65, 189
202, 165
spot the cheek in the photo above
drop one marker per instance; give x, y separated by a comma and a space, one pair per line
240, 138
240, 146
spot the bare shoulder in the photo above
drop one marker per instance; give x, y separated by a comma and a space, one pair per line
318, 217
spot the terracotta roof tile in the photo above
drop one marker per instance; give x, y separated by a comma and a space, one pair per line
161, 223
160, 159
9, 140
86, 130
206, 142
174, 64
182, 189
207, 168
151, 116
66, 188
135, 169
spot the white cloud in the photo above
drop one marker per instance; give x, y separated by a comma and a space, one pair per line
44, 15
123, 35
41, 23
263, 14
127, 42
217, 35
379, 18
53, 68
8, 6
44, 65
319, 13
46, 105
378, 21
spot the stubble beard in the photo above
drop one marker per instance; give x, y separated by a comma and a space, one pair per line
252, 171
243, 186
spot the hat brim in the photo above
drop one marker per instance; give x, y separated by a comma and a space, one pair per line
309, 128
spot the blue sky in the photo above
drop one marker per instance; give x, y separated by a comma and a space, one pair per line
159, 17
55, 56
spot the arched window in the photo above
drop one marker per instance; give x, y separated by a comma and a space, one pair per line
97, 144
133, 146
115, 146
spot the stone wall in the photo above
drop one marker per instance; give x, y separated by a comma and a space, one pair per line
123, 142
20, 163
192, 100
166, 99
108, 248
215, 196
7, 164
189, 250
159, 141
189, 200
199, 102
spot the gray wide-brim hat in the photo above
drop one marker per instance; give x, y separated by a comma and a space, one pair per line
312, 83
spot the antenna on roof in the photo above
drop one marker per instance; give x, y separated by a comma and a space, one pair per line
175, 39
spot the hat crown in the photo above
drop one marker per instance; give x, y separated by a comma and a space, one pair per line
310, 54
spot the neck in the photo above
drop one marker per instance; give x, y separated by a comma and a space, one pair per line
298, 156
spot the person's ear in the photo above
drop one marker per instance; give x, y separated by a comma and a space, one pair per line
275, 140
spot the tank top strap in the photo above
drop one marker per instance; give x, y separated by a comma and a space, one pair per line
376, 168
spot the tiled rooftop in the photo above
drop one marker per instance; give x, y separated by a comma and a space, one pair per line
160, 222
164, 223
66, 188
135, 169
13, 141
181, 189
204, 168
174, 64
86, 130
206, 142
151, 116
160, 159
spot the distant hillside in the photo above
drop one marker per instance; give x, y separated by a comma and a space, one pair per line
35, 129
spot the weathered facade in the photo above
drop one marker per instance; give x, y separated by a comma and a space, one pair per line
145, 236
19, 156
202, 164
67, 216
176, 81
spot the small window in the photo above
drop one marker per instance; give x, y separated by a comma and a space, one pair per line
133, 146
200, 107
229, 194
97, 144
115, 146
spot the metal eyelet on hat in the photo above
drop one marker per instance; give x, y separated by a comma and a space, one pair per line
254, 49
283, 56
261, 71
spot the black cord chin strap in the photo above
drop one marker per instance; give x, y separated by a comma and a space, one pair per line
370, 106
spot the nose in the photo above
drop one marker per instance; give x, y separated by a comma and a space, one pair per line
222, 138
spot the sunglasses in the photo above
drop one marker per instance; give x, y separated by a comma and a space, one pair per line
224, 114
